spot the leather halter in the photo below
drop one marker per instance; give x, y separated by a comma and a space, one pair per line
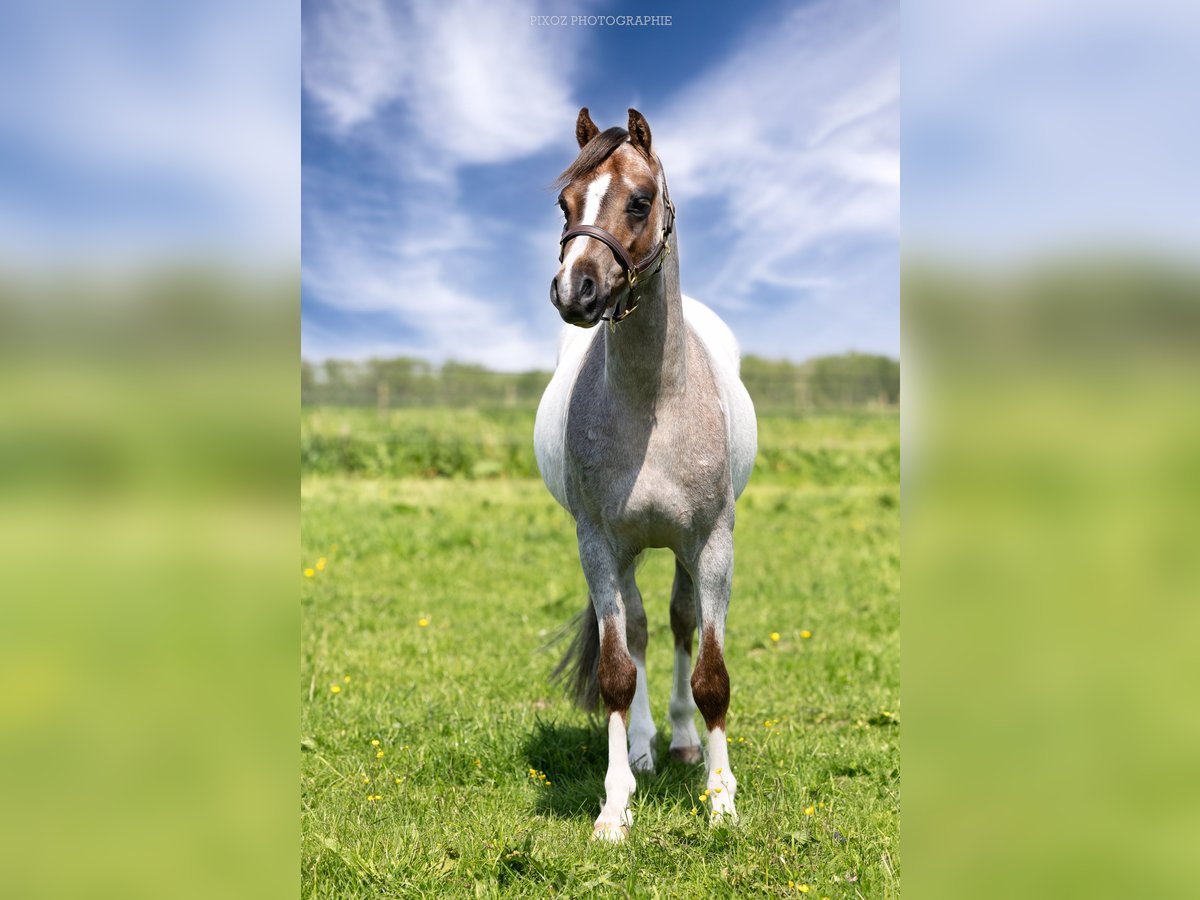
634, 272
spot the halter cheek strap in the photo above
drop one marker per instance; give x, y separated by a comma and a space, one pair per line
634, 272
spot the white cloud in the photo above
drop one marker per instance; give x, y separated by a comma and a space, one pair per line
429, 87
473, 80
355, 58
796, 136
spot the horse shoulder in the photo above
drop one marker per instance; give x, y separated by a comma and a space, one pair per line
550, 425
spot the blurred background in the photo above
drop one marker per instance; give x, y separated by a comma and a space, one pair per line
149, 285
1051, 453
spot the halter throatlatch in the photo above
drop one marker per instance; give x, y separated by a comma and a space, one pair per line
634, 272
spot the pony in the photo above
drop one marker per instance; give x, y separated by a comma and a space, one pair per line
646, 436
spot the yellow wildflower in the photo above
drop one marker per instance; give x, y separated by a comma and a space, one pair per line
808, 810
346, 678
693, 810
806, 634
375, 743
309, 573
802, 888
335, 689
321, 564
478, 763
422, 621
775, 635
379, 755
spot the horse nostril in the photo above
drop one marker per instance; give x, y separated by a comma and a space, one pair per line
587, 289
554, 290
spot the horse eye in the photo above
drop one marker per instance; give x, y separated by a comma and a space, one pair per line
639, 206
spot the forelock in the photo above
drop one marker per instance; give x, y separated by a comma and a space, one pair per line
597, 150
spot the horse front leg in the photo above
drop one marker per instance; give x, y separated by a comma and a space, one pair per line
618, 678
713, 568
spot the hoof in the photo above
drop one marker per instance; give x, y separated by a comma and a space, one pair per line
643, 763
687, 755
612, 832
722, 811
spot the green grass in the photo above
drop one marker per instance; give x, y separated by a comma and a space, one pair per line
848, 448
462, 707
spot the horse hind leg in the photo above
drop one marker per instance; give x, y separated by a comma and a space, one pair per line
685, 741
710, 680
642, 733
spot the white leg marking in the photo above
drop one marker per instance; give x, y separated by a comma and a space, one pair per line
619, 784
591, 209
641, 725
684, 736
721, 783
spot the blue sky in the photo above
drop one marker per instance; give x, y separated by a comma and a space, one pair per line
431, 132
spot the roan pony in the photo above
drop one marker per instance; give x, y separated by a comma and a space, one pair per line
647, 436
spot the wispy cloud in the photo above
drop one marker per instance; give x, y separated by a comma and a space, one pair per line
421, 91
794, 141
470, 79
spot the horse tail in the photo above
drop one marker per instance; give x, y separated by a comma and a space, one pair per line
579, 669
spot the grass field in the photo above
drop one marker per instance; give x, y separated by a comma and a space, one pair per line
428, 720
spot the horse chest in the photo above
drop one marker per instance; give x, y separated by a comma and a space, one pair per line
648, 478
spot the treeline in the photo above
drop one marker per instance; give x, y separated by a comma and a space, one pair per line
851, 380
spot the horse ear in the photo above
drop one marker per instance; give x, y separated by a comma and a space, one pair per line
585, 128
639, 131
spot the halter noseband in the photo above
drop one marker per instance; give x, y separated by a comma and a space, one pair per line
634, 272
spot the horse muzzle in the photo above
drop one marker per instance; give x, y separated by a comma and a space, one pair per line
579, 296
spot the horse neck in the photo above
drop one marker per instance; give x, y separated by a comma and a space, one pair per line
645, 357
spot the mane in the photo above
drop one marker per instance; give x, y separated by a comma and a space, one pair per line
597, 150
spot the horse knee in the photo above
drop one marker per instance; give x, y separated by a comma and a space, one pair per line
710, 683
617, 674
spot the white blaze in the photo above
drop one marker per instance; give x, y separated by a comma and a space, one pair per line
591, 209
